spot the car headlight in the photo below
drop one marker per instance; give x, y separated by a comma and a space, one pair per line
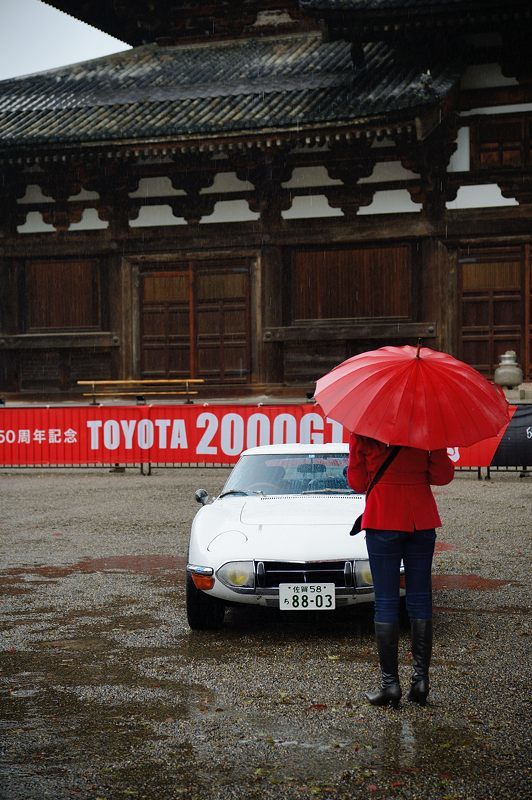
364, 578
237, 574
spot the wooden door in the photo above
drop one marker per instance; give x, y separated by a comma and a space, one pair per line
165, 324
493, 308
222, 324
195, 322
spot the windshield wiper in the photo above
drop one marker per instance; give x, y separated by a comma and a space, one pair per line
329, 490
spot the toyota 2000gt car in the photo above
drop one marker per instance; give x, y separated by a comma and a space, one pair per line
278, 535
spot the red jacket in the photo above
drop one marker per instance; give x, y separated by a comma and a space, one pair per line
402, 499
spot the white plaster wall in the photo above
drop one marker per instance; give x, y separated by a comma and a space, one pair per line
35, 224
481, 196
483, 76
155, 215
311, 206
396, 201
389, 171
226, 182
310, 176
90, 221
156, 187
34, 194
460, 160
231, 211
510, 109
84, 194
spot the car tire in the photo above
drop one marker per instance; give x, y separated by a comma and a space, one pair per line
204, 613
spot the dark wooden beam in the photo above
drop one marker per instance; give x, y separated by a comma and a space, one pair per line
59, 341
502, 96
317, 330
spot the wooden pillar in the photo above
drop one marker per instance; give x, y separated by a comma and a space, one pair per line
439, 293
11, 282
129, 320
271, 293
112, 305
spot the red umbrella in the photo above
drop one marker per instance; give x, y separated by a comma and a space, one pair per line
411, 396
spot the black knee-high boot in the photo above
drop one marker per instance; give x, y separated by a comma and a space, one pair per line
387, 639
421, 630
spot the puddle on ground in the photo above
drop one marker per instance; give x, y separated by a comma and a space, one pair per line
89, 643
472, 582
87, 708
98, 676
291, 750
86, 743
142, 564
98, 636
116, 740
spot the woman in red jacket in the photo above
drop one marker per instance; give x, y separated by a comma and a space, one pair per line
400, 520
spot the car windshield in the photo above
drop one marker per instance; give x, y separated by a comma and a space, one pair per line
296, 473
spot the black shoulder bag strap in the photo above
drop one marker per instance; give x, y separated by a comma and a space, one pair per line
357, 527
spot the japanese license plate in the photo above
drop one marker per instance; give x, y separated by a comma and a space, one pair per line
306, 596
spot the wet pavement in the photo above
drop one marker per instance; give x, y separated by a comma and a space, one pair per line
106, 693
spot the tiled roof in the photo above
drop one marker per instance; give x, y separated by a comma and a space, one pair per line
216, 89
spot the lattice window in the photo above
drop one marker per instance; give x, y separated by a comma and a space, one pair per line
501, 143
492, 307
363, 283
63, 295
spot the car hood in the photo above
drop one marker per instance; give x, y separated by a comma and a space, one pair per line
298, 510
291, 528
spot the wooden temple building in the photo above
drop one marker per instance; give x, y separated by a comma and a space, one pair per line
258, 189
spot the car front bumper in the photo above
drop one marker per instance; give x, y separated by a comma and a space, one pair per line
268, 576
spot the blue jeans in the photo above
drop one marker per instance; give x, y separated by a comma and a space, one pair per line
386, 550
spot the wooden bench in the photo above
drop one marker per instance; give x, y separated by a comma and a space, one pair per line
142, 388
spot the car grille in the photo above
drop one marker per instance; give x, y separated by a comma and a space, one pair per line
269, 574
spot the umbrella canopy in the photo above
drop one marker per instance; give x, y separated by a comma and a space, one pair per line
415, 397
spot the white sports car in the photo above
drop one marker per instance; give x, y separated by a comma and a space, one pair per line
278, 535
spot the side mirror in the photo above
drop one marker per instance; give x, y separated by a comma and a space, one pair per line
201, 495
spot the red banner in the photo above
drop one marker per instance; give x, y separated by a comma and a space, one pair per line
74, 436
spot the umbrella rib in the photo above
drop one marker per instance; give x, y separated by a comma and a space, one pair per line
474, 410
